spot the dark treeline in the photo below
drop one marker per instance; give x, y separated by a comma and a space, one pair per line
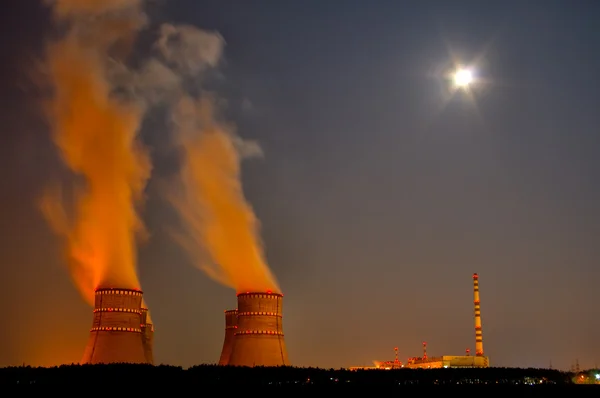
150, 376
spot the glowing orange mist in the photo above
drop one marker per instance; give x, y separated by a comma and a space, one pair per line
96, 135
211, 202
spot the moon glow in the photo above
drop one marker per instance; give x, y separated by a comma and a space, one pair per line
463, 78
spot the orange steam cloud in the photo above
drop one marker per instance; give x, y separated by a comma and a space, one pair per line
93, 7
96, 134
211, 203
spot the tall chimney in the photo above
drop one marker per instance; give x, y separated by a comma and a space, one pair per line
478, 335
258, 339
116, 334
230, 328
425, 350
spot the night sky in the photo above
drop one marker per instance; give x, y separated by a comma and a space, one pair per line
379, 195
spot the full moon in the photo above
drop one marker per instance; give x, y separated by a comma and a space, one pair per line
463, 77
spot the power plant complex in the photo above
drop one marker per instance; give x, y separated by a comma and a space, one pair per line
478, 360
119, 331
122, 332
254, 332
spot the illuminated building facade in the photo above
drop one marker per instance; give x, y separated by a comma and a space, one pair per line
448, 361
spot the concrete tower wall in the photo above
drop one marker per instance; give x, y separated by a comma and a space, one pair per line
116, 334
477, 304
143, 315
147, 336
259, 338
148, 342
230, 328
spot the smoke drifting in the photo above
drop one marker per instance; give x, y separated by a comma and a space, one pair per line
96, 134
220, 228
211, 203
64, 8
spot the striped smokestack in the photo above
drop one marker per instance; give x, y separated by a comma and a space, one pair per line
116, 335
478, 335
258, 338
230, 328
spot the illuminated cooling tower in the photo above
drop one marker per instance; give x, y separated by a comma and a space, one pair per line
230, 328
258, 339
116, 335
147, 336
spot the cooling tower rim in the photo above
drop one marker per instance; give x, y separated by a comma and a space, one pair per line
101, 290
267, 293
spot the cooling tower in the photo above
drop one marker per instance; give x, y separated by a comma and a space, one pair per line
147, 336
116, 335
230, 328
258, 339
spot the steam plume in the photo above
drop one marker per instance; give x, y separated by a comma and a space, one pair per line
221, 230
211, 202
96, 134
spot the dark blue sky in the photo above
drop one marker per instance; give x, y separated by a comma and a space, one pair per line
378, 196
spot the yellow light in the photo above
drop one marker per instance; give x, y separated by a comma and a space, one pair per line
463, 77
251, 313
258, 332
114, 329
135, 311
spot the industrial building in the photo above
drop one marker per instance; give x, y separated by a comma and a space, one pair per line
448, 361
116, 335
258, 338
445, 361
